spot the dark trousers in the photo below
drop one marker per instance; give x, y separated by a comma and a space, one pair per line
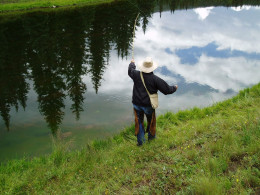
149, 112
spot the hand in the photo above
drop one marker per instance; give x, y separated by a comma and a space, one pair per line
132, 61
176, 87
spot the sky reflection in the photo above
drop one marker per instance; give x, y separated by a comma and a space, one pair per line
210, 56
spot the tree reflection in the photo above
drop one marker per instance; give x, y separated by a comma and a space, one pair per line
55, 50
75, 58
98, 46
13, 70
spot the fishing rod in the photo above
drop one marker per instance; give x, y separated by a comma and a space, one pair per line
129, 1
134, 36
136, 7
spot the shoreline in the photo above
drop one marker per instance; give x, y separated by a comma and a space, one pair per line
30, 6
24, 6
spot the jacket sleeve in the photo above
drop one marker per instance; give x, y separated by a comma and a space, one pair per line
131, 69
163, 87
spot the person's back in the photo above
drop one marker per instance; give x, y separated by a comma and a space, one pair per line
141, 100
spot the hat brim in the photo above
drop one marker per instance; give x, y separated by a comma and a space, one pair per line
145, 69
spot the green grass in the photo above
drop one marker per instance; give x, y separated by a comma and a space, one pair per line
18, 5
214, 150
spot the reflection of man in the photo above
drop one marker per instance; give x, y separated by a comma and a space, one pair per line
141, 100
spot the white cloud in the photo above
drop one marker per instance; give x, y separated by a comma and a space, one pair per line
240, 8
203, 12
222, 74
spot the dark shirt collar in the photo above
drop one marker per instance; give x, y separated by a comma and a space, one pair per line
147, 73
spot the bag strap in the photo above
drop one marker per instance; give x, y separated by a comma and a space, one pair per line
144, 83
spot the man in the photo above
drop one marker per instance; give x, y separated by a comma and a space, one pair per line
140, 99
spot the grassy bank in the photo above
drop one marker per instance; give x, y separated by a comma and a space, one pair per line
214, 150
19, 5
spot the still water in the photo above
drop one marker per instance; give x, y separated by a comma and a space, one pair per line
67, 70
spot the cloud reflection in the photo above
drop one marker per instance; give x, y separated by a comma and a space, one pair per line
203, 12
240, 8
191, 55
230, 66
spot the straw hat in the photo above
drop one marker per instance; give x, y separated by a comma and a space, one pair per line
147, 65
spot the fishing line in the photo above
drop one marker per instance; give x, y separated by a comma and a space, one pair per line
134, 36
135, 6
135, 25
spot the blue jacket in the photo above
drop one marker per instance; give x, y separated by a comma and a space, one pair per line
153, 83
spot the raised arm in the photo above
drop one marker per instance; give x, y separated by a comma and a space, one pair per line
131, 69
163, 87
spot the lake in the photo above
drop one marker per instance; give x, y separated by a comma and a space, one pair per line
66, 69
